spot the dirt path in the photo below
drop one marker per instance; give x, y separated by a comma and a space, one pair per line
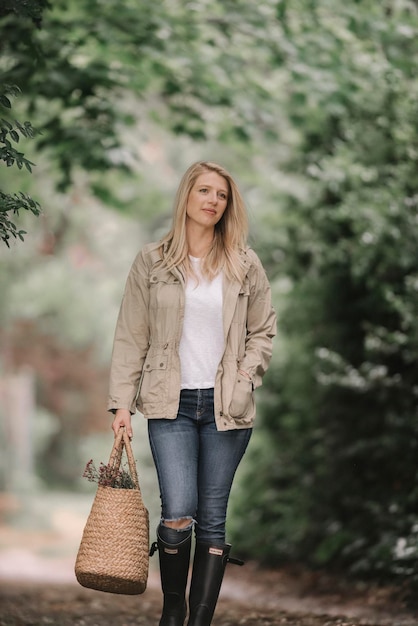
38, 586
62, 605
258, 598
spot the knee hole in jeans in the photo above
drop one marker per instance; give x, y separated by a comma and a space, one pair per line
182, 523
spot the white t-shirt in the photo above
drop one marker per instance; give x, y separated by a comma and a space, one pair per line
202, 340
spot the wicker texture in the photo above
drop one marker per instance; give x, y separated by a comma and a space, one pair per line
114, 550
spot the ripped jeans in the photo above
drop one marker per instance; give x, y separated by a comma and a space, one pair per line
196, 464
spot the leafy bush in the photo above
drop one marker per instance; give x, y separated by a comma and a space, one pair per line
344, 420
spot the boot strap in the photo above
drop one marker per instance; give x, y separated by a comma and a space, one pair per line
230, 559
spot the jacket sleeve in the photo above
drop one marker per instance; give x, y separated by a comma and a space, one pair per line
131, 339
261, 324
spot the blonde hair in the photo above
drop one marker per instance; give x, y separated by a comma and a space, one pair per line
230, 234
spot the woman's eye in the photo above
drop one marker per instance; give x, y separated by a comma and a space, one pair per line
203, 190
223, 196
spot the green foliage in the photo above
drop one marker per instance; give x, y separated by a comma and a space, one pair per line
10, 133
13, 203
344, 422
88, 70
65, 87
31, 9
83, 72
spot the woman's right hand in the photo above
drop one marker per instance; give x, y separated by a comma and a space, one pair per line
122, 418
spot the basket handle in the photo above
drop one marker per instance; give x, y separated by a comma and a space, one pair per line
122, 440
116, 454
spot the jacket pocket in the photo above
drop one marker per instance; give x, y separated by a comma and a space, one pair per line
242, 397
153, 380
165, 290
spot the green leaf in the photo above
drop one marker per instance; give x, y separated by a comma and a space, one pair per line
4, 101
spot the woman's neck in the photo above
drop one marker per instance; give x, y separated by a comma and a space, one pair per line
199, 241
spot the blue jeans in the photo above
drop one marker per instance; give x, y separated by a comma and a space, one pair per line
196, 464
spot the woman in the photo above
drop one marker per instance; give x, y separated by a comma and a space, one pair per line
192, 342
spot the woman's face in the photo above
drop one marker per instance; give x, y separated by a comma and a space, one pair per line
207, 200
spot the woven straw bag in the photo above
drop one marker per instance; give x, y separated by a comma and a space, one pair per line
114, 551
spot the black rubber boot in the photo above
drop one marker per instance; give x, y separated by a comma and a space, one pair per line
174, 568
208, 572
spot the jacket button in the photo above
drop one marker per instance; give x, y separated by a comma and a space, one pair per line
221, 413
161, 364
148, 366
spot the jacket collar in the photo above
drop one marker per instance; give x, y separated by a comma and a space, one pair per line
228, 284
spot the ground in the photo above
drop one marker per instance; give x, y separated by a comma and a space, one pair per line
39, 539
255, 598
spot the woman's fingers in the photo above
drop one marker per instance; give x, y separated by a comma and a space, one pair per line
122, 418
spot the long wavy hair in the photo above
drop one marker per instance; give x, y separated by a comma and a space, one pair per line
230, 234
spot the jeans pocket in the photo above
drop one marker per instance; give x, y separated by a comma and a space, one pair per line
242, 395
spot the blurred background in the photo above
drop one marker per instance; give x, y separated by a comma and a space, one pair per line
313, 107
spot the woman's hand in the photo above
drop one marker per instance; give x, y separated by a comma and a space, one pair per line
122, 418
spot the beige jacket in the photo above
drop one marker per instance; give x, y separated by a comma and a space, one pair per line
145, 369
